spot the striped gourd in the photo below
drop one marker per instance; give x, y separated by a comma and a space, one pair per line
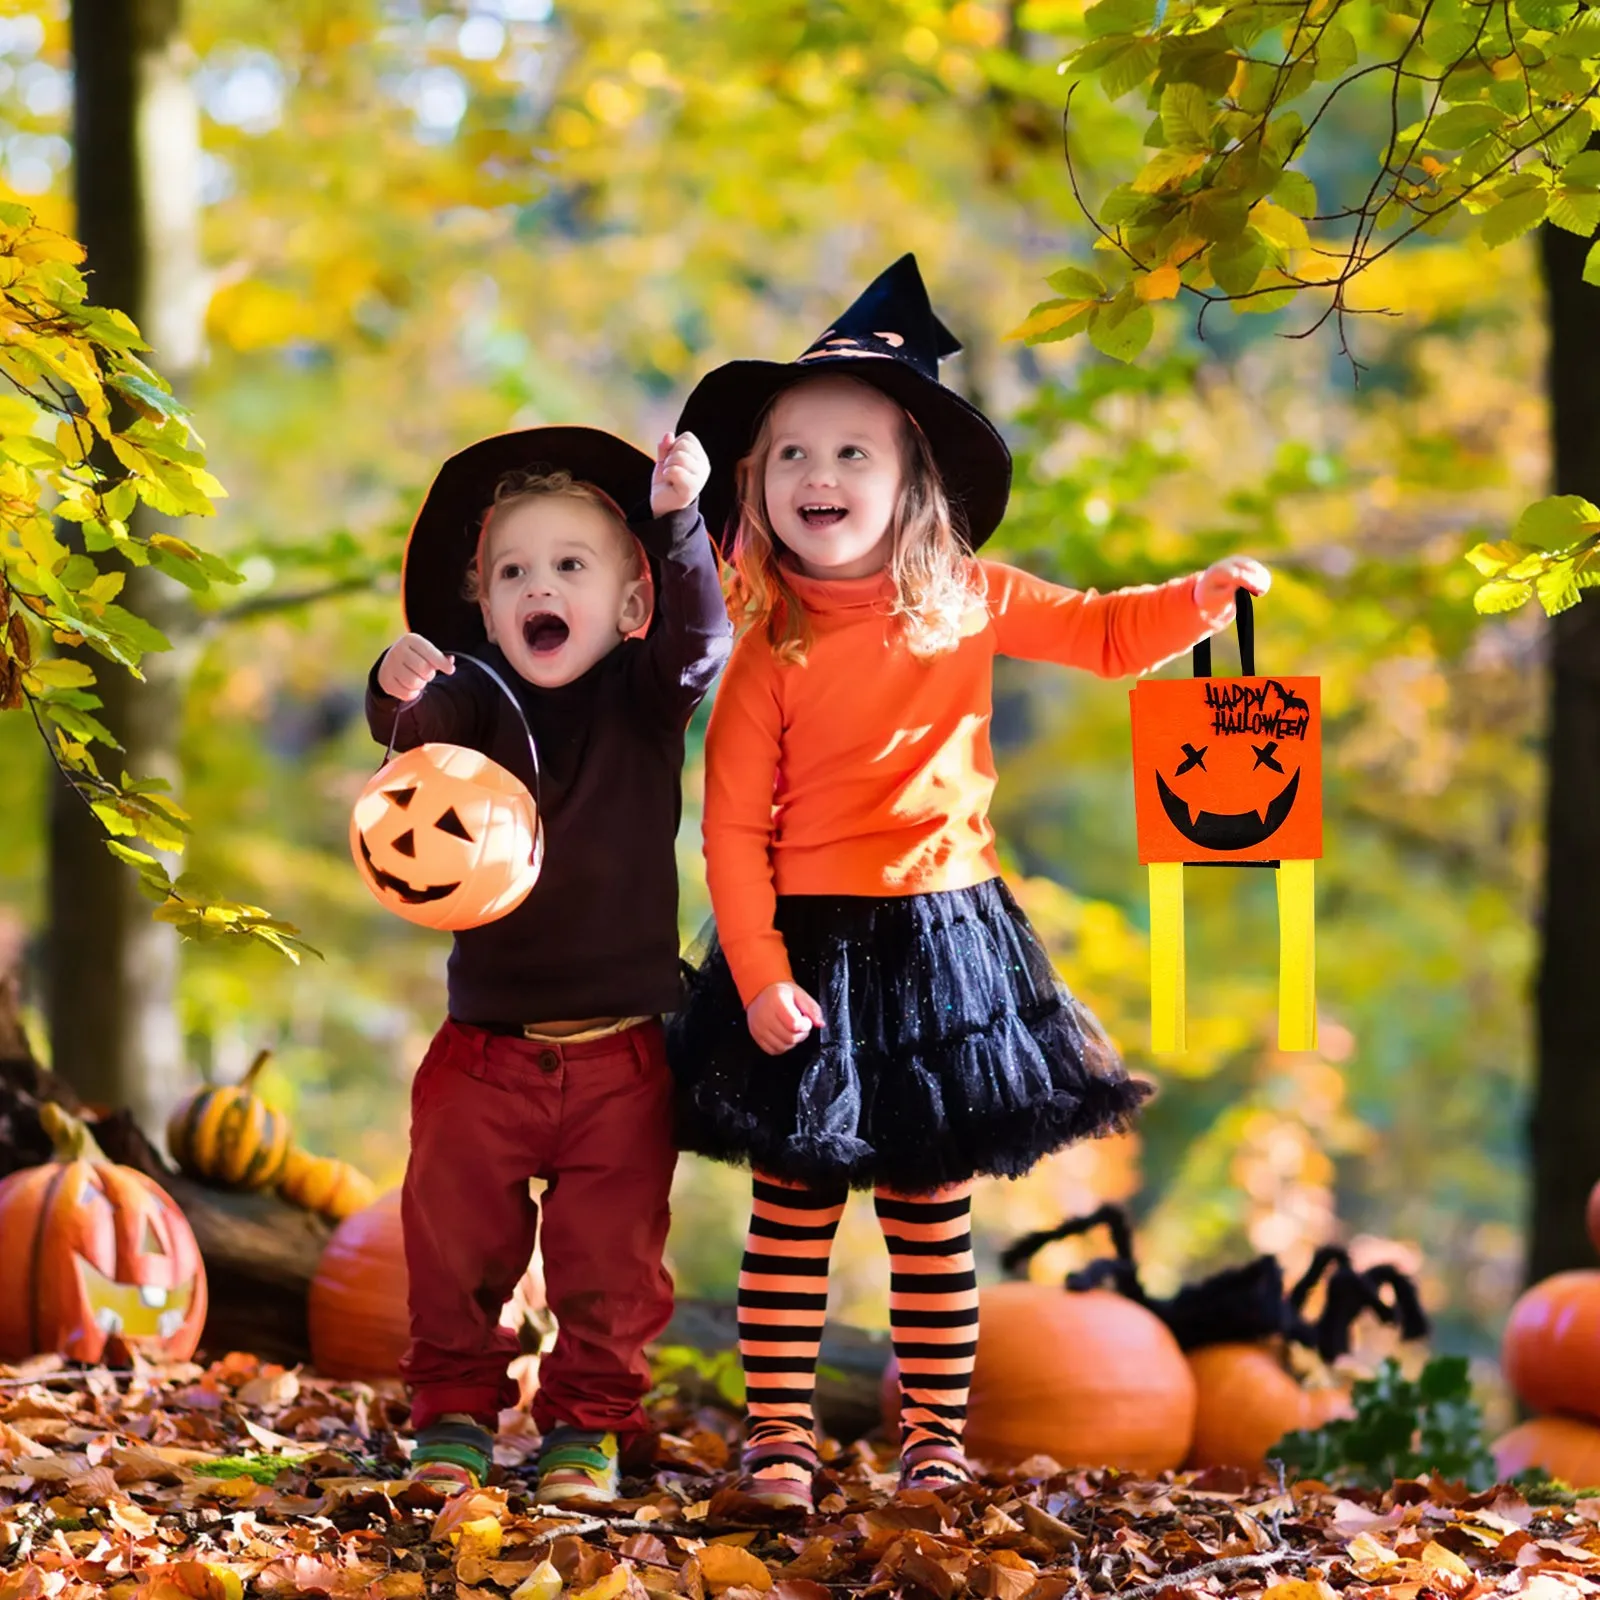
229, 1136
330, 1187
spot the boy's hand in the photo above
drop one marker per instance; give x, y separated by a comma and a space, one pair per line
781, 1016
682, 468
409, 666
1213, 589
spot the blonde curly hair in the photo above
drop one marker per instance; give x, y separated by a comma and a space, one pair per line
517, 487
936, 581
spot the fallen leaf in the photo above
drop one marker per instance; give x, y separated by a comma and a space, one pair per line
609, 1587
543, 1583
725, 1566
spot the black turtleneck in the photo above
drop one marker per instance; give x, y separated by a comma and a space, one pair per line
598, 934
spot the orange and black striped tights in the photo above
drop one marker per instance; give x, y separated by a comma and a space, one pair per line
783, 1298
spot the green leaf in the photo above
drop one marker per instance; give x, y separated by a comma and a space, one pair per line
1076, 284
1490, 559
1462, 125
61, 672
1576, 212
1513, 217
1557, 589
148, 399
1130, 67
1123, 328
1582, 171
1186, 116
134, 858
1237, 265
1295, 192
1591, 265
1119, 16
1501, 594
1579, 39
1557, 520
1336, 52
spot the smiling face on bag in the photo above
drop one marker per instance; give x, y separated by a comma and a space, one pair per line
562, 586
833, 476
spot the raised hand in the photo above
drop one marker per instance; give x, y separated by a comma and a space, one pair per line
1214, 588
781, 1016
409, 665
682, 468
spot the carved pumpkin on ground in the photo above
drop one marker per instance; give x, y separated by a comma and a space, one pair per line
229, 1136
445, 837
1236, 1328
359, 1323
98, 1260
1228, 771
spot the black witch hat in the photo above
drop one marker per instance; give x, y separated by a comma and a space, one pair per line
890, 339
444, 539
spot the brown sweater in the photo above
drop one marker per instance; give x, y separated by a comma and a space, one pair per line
598, 934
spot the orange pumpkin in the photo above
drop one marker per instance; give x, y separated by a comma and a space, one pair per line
1246, 1400
359, 1322
445, 837
1565, 1447
1090, 1378
331, 1188
1548, 1351
98, 1261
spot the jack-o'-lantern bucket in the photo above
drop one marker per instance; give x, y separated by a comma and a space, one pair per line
1228, 772
446, 837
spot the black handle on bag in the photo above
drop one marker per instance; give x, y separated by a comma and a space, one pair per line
516, 705
1245, 621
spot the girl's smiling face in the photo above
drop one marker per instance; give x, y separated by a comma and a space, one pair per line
833, 474
560, 587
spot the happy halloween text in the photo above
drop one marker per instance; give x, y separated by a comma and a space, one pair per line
1239, 708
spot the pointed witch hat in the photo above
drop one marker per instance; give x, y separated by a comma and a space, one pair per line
890, 339
443, 541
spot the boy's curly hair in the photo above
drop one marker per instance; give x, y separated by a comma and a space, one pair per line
936, 580
516, 487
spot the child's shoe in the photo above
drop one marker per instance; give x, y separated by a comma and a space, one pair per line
933, 1466
576, 1464
778, 1473
452, 1454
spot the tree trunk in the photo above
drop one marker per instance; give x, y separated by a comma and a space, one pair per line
1565, 1144
111, 970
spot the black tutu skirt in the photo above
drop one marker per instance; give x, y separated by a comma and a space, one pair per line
950, 1049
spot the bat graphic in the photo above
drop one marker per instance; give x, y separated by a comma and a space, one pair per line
1291, 702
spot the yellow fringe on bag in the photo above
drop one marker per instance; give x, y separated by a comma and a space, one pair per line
1297, 957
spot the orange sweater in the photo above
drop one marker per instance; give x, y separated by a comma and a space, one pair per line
866, 771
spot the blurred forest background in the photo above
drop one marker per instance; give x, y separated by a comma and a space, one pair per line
420, 223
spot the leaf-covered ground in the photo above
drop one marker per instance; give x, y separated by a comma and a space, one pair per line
213, 1483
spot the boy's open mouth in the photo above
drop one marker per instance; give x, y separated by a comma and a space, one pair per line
544, 633
822, 516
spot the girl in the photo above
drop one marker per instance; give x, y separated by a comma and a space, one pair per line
876, 1011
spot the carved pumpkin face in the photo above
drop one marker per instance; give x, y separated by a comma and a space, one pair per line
1228, 769
99, 1262
445, 837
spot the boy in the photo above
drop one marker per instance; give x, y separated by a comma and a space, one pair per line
550, 1063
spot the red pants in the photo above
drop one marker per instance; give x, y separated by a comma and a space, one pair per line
595, 1120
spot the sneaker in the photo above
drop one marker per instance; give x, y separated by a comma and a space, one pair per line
452, 1454
779, 1474
933, 1466
576, 1464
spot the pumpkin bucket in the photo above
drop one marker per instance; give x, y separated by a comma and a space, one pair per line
445, 837
1228, 772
